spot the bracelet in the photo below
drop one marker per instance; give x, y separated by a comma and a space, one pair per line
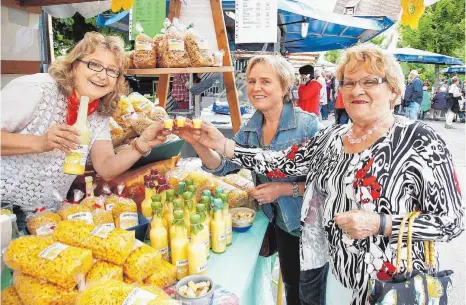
382, 226
136, 147
295, 189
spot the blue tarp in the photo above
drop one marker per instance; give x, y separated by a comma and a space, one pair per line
455, 69
327, 31
424, 57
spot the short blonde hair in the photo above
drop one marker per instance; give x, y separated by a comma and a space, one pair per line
374, 60
280, 66
62, 68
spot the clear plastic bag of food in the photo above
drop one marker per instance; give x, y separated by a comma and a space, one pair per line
158, 114
42, 222
142, 262
126, 112
164, 276
142, 123
125, 211
173, 50
236, 196
140, 103
115, 292
130, 59
101, 216
33, 291
110, 198
115, 129
55, 262
157, 46
103, 270
75, 211
144, 56
198, 50
10, 297
106, 243
243, 184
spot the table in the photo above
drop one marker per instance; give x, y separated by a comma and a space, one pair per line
239, 270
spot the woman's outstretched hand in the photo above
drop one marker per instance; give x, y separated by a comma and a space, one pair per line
207, 135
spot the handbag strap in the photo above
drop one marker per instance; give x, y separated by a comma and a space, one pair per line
400, 241
409, 263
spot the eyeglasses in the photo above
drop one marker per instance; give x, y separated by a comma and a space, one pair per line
99, 68
365, 83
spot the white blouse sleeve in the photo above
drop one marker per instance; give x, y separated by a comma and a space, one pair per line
19, 100
104, 134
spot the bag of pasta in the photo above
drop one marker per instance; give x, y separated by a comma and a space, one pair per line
236, 196
126, 112
198, 50
10, 297
141, 104
55, 262
42, 222
157, 46
115, 292
173, 50
141, 263
144, 56
142, 123
244, 184
129, 59
125, 211
110, 198
101, 216
76, 211
158, 114
164, 276
33, 291
103, 270
106, 243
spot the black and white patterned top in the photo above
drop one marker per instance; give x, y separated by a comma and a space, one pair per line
408, 169
30, 105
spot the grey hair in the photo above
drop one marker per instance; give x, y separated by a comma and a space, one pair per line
281, 67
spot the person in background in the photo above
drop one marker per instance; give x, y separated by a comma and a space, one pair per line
453, 106
275, 125
341, 117
330, 86
294, 93
462, 101
426, 101
319, 75
37, 115
180, 91
413, 95
309, 90
439, 103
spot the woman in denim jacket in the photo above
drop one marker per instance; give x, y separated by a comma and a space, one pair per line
276, 125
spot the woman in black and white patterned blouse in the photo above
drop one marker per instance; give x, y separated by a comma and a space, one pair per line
380, 167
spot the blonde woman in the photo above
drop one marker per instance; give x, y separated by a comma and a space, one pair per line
363, 178
38, 111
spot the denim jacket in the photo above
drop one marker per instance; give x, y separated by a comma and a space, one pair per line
295, 126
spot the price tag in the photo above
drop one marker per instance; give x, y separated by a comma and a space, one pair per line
103, 231
45, 230
139, 297
128, 220
85, 216
51, 252
181, 263
175, 45
142, 46
202, 268
109, 206
163, 251
222, 237
256, 21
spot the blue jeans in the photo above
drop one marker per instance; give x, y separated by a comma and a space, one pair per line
313, 286
413, 110
324, 111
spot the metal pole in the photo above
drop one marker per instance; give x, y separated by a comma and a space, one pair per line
45, 47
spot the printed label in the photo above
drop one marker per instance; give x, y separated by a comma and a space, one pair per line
139, 297
163, 251
222, 237
129, 116
201, 268
181, 263
77, 156
103, 231
109, 206
228, 231
52, 251
128, 220
145, 46
202, 44
85, 216
45, 230
175, 45
146, 105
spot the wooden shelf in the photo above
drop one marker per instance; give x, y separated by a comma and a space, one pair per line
162, 71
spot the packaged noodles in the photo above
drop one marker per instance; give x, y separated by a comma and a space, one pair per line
102, 216
110, 244
164, 276
75, 211
42, 222
103, 270
125, 211
142, 262
173, 52
126, 112
10, 297
144, 56
33, 291
41, 257
197, 48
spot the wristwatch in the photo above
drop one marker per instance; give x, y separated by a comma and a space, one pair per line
295, 189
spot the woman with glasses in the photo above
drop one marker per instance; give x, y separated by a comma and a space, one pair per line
38, 112
362, 178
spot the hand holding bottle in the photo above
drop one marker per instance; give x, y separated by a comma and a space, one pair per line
59, 136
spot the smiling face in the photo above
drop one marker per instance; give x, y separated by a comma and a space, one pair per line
264, 88
366, 105
94, 84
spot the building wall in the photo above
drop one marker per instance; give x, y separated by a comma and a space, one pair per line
20, 39
389, 8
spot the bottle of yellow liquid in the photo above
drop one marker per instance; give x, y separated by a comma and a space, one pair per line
168, 208
205, 232
75, 160
146, 204
181, 189
197, 259
189, 202
178, 202
206, 201
179, 245
178, 206
208, 194
217, 226
157, 198
193, 189
227, 218
158, 233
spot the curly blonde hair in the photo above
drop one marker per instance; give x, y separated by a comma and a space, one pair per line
62, 68
375, 60
281, 66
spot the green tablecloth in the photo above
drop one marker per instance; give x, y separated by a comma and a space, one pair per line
240, 269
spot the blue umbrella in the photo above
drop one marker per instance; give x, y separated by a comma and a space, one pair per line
455, 69
424, 57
